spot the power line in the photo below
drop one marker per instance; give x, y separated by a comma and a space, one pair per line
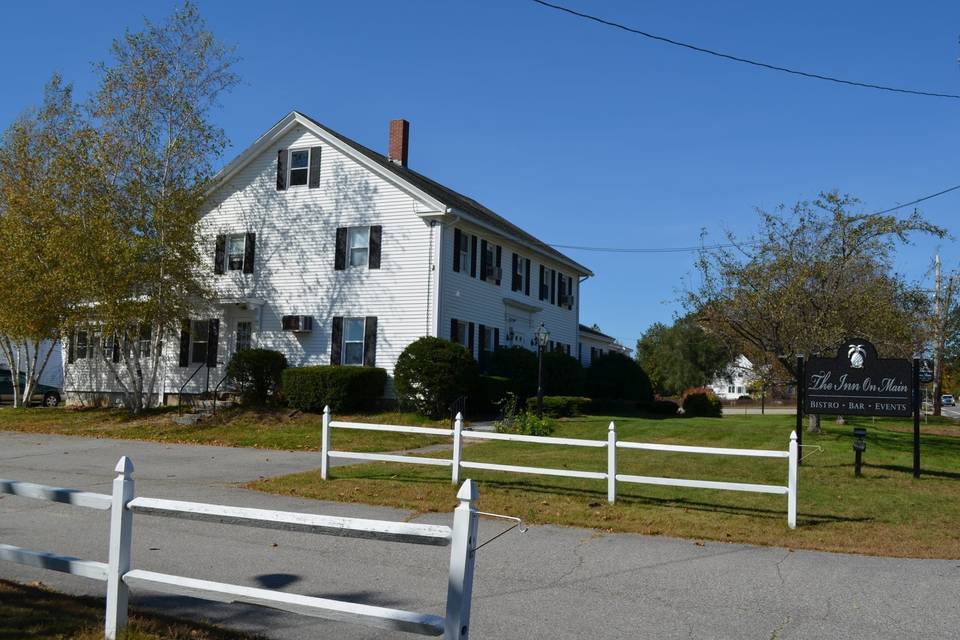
727, 56
730, 245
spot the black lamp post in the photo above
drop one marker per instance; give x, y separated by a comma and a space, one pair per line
542, 336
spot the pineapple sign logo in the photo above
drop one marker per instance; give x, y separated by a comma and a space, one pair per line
857, 354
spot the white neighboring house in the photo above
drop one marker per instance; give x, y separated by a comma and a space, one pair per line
594, 343
53, 373
335, 254
739, 376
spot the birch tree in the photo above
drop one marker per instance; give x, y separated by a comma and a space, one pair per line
43, 187
157, 145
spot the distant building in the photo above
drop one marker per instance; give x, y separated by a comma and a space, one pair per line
593, 343
735, 381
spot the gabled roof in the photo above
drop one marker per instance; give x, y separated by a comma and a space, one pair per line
596, 332
429, 190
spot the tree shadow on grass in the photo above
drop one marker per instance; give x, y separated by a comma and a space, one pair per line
599, 498
923, 472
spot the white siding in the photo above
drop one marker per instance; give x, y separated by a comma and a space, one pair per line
470, 299
295, 249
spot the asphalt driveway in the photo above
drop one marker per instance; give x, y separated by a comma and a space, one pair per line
552, 582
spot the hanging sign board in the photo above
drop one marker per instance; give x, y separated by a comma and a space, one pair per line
926, 372
858, 383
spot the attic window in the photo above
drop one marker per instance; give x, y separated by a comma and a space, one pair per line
299, 167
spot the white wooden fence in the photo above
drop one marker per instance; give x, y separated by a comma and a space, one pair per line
611, 444
118, 575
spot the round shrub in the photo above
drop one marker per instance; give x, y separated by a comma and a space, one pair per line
256, 373
342, 388
701, 402
431, 373
616, 376
562, 374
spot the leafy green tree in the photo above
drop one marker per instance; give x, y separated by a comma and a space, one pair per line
614, 376
682, 355
811, 276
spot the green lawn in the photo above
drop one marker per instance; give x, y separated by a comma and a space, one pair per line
886, 512
260, 428
39, 614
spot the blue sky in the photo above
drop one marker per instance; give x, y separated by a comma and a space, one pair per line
580, 133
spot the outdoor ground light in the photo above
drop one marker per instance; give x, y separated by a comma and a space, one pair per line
859, 446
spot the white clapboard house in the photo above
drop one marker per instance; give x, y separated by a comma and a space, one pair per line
595, 343
335, 254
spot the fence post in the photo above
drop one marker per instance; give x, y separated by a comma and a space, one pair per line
612, 463
325, 444
457, 446
118, 562
462, 557
793, 460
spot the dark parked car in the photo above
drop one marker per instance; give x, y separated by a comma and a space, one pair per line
44, 394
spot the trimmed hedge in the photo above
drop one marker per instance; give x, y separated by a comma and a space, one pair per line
342, 388
659, 407
701, 402
560, 406
257, 373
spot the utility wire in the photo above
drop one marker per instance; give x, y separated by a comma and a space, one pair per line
727, 56
729, 245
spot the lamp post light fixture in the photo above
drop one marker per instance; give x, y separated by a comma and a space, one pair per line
542, 336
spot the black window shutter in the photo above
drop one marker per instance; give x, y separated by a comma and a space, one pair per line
570, 291
473, 256
72, 348
499, 271
553, 287
370, 342
376, 233
526, 280
218, 254
213, 338
281, 170
496, 339
543, 285
481, 354
249, 250
314, 168
483, 260
336, 340
470, 338
184, 343
453, 329
457, 239
562, 285
515, 280
116, 348
340, 259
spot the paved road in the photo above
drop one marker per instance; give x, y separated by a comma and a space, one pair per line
553, 582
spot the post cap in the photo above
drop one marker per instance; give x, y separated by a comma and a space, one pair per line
793, 435
326, 408
612, 426
468, 491
459, 416
124, 467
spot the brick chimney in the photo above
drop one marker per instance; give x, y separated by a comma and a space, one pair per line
399, 139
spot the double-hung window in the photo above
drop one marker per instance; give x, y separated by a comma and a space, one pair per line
236, 250
358, 246
244, 335
299, 167
465, 258
199, 332
520, 275
353, 330
144, 340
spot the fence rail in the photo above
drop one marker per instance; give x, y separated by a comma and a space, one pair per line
117, 573
611, 444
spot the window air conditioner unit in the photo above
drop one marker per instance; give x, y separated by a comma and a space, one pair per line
566, 300
297, 324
